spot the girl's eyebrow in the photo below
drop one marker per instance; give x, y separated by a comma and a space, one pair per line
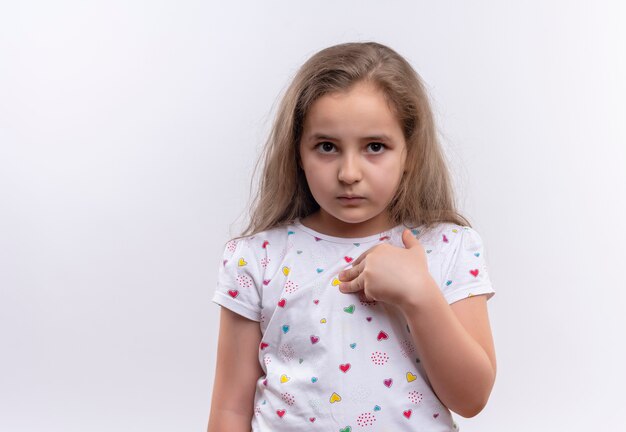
319, 136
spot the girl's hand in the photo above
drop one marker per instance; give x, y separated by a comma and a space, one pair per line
391, 274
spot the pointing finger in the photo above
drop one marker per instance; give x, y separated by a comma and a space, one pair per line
350, 273
363, 255
353, 286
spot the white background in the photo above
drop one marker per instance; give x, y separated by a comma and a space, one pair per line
128, 133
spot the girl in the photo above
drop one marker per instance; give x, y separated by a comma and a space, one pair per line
356, 297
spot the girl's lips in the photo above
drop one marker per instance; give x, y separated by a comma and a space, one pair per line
354, 200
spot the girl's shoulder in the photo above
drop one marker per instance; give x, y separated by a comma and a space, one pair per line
449, 236
438, 230
260, 242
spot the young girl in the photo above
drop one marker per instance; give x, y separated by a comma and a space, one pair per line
356, 298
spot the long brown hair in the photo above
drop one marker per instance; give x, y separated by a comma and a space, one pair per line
425, 195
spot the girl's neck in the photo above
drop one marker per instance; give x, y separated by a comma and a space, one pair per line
324, 223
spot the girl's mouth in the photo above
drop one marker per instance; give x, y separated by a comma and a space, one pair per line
351, 200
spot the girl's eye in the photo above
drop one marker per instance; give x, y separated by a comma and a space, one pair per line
325, 146
377, 147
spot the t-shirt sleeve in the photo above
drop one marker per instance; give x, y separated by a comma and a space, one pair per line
237, 287
467, 275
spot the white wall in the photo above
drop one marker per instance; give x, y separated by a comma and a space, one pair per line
128, 131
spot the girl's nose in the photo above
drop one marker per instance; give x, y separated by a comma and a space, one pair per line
349, 169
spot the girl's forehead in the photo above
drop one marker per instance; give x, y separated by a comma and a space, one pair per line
359, 88
360, 94
362, 111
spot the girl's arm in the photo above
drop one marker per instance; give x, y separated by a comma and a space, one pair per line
456, 349
453, 341
236, 372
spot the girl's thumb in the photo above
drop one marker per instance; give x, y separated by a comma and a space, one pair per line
408, 239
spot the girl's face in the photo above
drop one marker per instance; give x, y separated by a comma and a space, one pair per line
352, 146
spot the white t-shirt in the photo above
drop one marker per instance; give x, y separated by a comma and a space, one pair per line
333, 361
